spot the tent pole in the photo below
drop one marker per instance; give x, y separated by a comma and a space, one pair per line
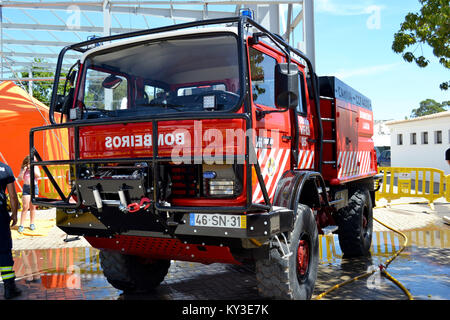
30, 83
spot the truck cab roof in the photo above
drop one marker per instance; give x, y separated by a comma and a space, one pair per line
157, 36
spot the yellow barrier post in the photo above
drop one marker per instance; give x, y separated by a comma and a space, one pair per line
447, 191
403, 187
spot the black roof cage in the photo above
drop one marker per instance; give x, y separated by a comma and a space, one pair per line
241, 22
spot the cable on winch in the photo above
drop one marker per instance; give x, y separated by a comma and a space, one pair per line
382, 268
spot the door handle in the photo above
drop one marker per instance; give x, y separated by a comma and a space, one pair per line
347, 140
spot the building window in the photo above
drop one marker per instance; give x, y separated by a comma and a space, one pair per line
438, 137
400, 139
413, 138
425, 137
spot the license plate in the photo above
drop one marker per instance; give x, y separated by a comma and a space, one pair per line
217, 220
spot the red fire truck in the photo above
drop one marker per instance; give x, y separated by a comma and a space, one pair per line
211, 141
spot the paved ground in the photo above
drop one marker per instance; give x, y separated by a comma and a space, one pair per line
43, 262
399, 215
409, 214
54, 238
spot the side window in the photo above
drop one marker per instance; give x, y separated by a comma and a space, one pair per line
263, 77
152, 92
98, 97
301, 108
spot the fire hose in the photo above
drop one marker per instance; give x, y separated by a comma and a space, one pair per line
382, 268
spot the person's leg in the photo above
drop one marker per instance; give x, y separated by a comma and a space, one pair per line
32, 214
33, 208
25, 207
34, 266
28, 273
6, 260
8, 276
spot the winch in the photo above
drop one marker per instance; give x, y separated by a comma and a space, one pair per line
115, 186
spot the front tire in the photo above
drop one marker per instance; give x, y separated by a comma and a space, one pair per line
293, 278
130, 273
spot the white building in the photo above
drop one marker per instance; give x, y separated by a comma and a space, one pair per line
381, 134
421, 142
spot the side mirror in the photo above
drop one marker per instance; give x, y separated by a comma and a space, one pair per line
62, 99
286, 85
111, 82
71, 77
59, 102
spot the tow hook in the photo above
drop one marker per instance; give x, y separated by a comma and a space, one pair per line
145, 203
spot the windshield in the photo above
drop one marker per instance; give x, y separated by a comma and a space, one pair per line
198, 74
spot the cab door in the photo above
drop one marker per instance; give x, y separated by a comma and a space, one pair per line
306, 145
273, 133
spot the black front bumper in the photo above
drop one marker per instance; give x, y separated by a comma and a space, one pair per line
145, 223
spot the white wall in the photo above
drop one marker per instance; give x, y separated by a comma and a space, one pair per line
381, 134
429, 155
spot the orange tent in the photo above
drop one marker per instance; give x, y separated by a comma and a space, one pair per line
18, 114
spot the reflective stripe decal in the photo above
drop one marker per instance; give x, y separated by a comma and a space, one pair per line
8, 276
351, 163
273, 164
2, 269
305, 159
271, 184
284, 167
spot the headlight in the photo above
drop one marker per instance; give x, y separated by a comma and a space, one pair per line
221, 180
221, 188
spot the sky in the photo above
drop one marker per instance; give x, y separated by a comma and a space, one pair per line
353, 42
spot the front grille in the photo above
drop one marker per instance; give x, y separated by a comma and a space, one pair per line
186, 181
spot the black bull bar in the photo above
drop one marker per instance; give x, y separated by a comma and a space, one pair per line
65, 203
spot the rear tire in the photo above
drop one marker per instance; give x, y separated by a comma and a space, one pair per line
356, 225
293, 278
130, 273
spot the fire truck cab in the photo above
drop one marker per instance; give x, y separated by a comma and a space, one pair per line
212, 141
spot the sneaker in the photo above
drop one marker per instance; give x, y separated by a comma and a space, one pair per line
32, 227
20, 229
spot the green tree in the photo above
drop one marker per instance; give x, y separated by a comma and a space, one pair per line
42, 90
430, 26
429, 106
